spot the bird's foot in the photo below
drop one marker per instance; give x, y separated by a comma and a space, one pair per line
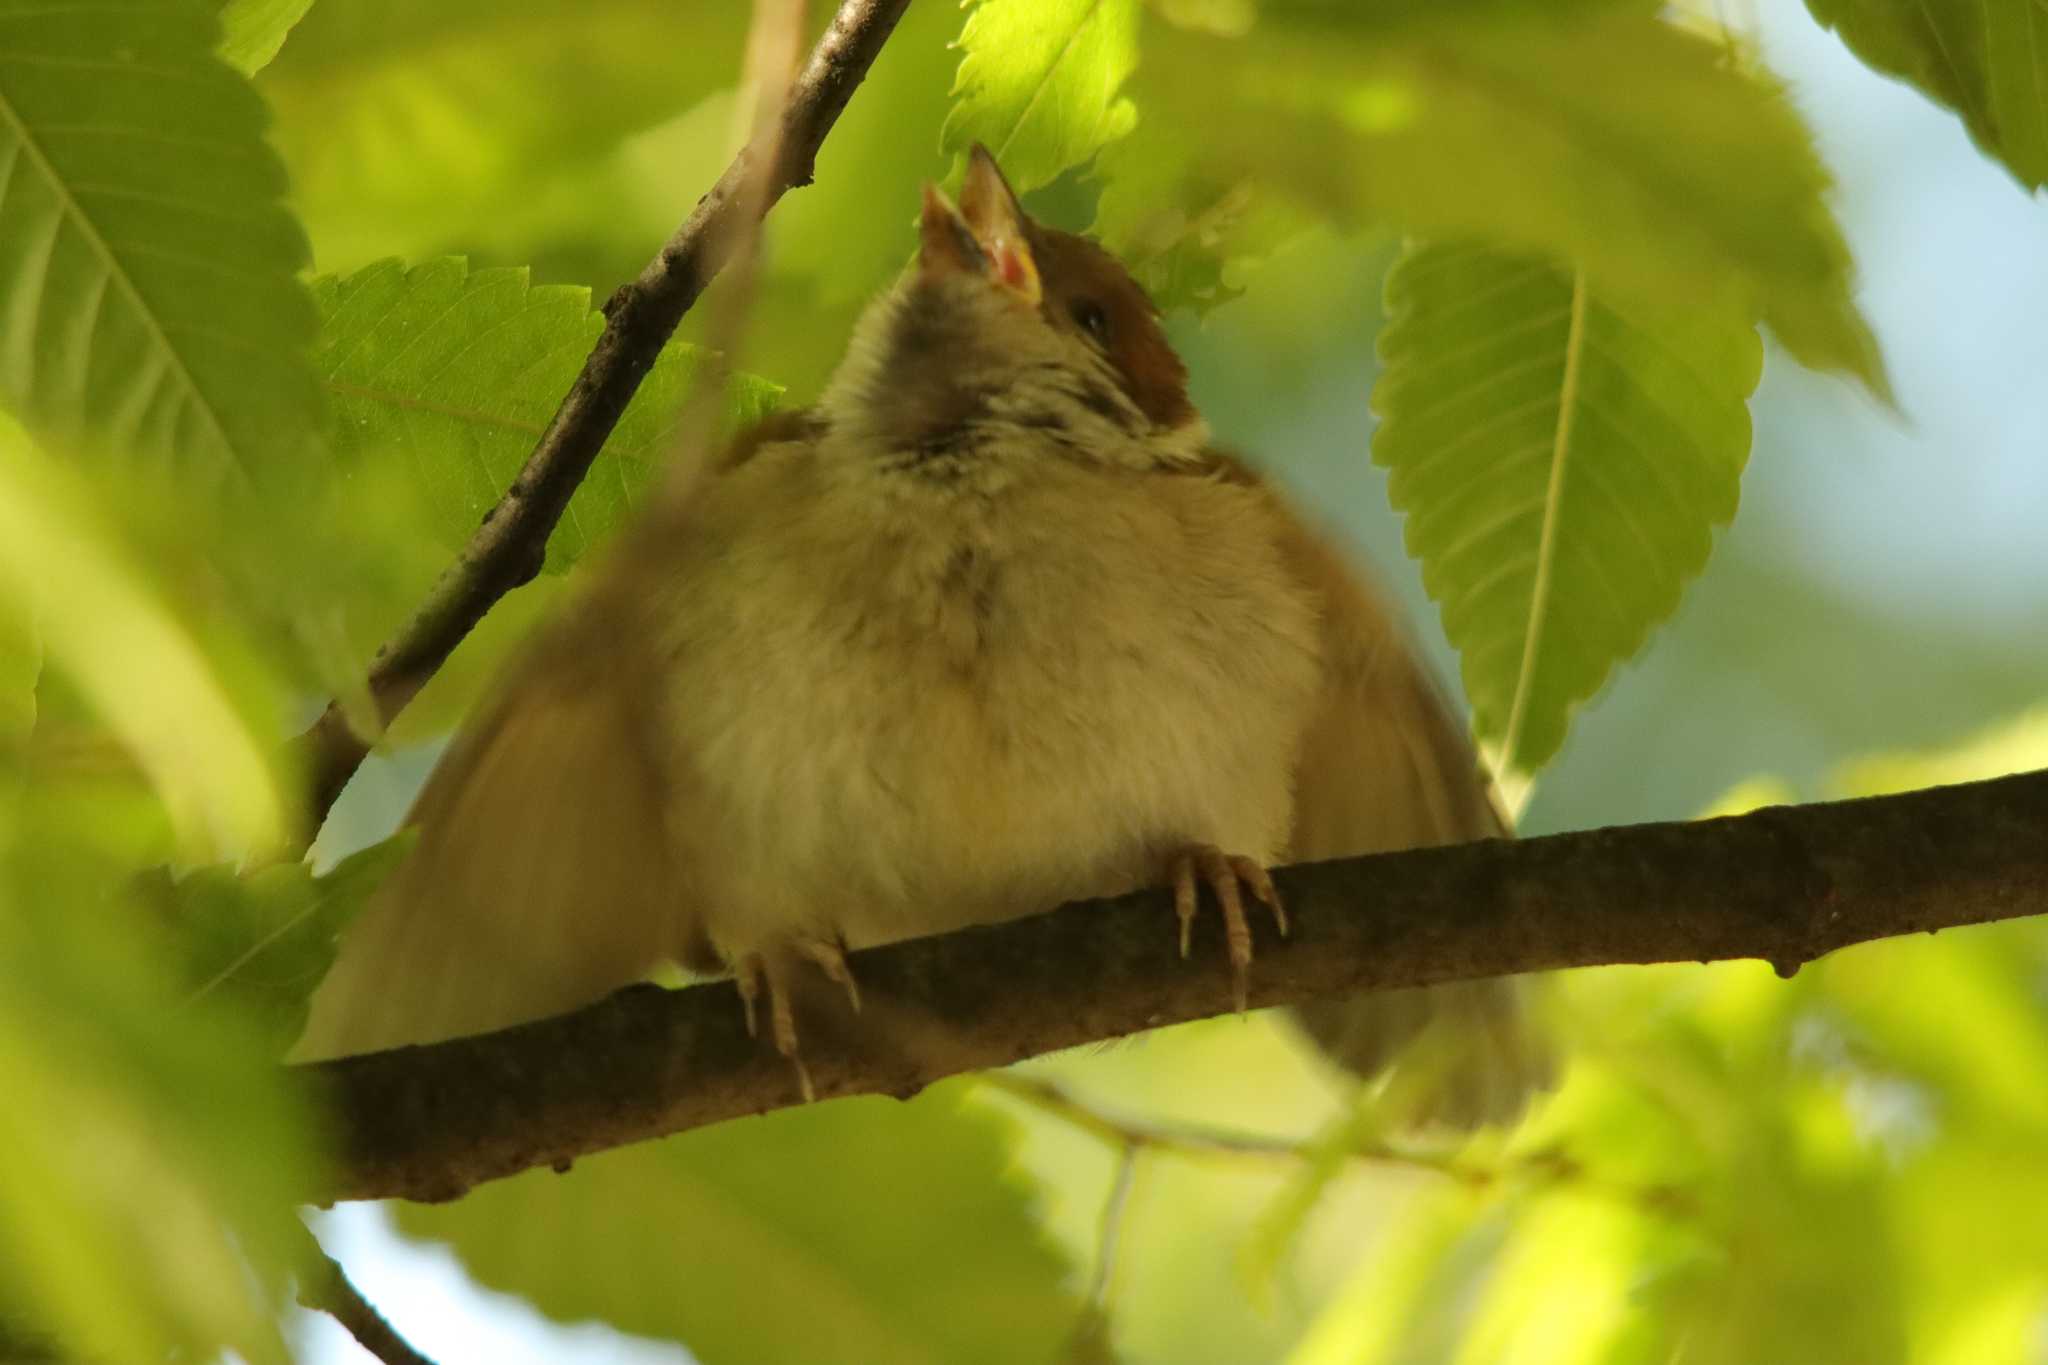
1225, 873
768, 972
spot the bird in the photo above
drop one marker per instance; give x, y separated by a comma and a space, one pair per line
993, 625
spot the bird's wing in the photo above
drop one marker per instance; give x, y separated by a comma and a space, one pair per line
546, 875
1385, 765
541, 880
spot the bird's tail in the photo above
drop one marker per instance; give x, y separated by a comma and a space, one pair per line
1461, 1055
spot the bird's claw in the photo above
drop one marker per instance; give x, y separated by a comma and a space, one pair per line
1225, 873
768, 972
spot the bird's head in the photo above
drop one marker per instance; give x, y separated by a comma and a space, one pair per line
1005, 324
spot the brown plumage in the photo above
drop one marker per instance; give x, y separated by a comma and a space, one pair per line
992, 627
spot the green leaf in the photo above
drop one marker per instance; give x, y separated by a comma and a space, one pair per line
1040, 83
264, 939
1184, 235
147, 270
1590, 135
253, 30
1562, 458
137, 665
149, 1151
863, 1229
21, 664
407, 125
456, 372
1987, 60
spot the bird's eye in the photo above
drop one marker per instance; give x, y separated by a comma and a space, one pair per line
1091, 318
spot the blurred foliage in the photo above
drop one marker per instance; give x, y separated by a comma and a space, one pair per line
265, 938
100, 621
151, 1154
901, 1237
405, 125
1982, 59
1594, 133
223, 482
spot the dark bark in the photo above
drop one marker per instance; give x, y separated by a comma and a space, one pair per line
1786, 885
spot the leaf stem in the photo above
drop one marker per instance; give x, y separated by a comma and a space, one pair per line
1546, 546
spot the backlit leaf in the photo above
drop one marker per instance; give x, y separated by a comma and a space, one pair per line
253, 30
456, 373
1041, 82
1599, 136
1562, 460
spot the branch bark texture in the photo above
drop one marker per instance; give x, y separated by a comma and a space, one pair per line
1785, 884
509, 546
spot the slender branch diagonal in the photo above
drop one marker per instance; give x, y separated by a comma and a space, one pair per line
508, 547
1786, 884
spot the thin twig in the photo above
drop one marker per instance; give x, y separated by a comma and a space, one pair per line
1193, 1140
325, 1288
774, 43
1785, 884
1114, 1209
509, 547
1198, 1141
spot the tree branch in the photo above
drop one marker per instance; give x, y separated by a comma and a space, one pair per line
326, 1288
1786, 884
511, 543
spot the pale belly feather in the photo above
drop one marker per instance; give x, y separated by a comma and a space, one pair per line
976, 713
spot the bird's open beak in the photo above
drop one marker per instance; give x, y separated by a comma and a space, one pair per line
986, 233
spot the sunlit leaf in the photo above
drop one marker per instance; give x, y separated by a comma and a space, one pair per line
858, 1230
119, 644
1986, 59
456, 373
1562, 459
1040, 83
1597, 136
147, 270
149, 1154
253, 30
406, 124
